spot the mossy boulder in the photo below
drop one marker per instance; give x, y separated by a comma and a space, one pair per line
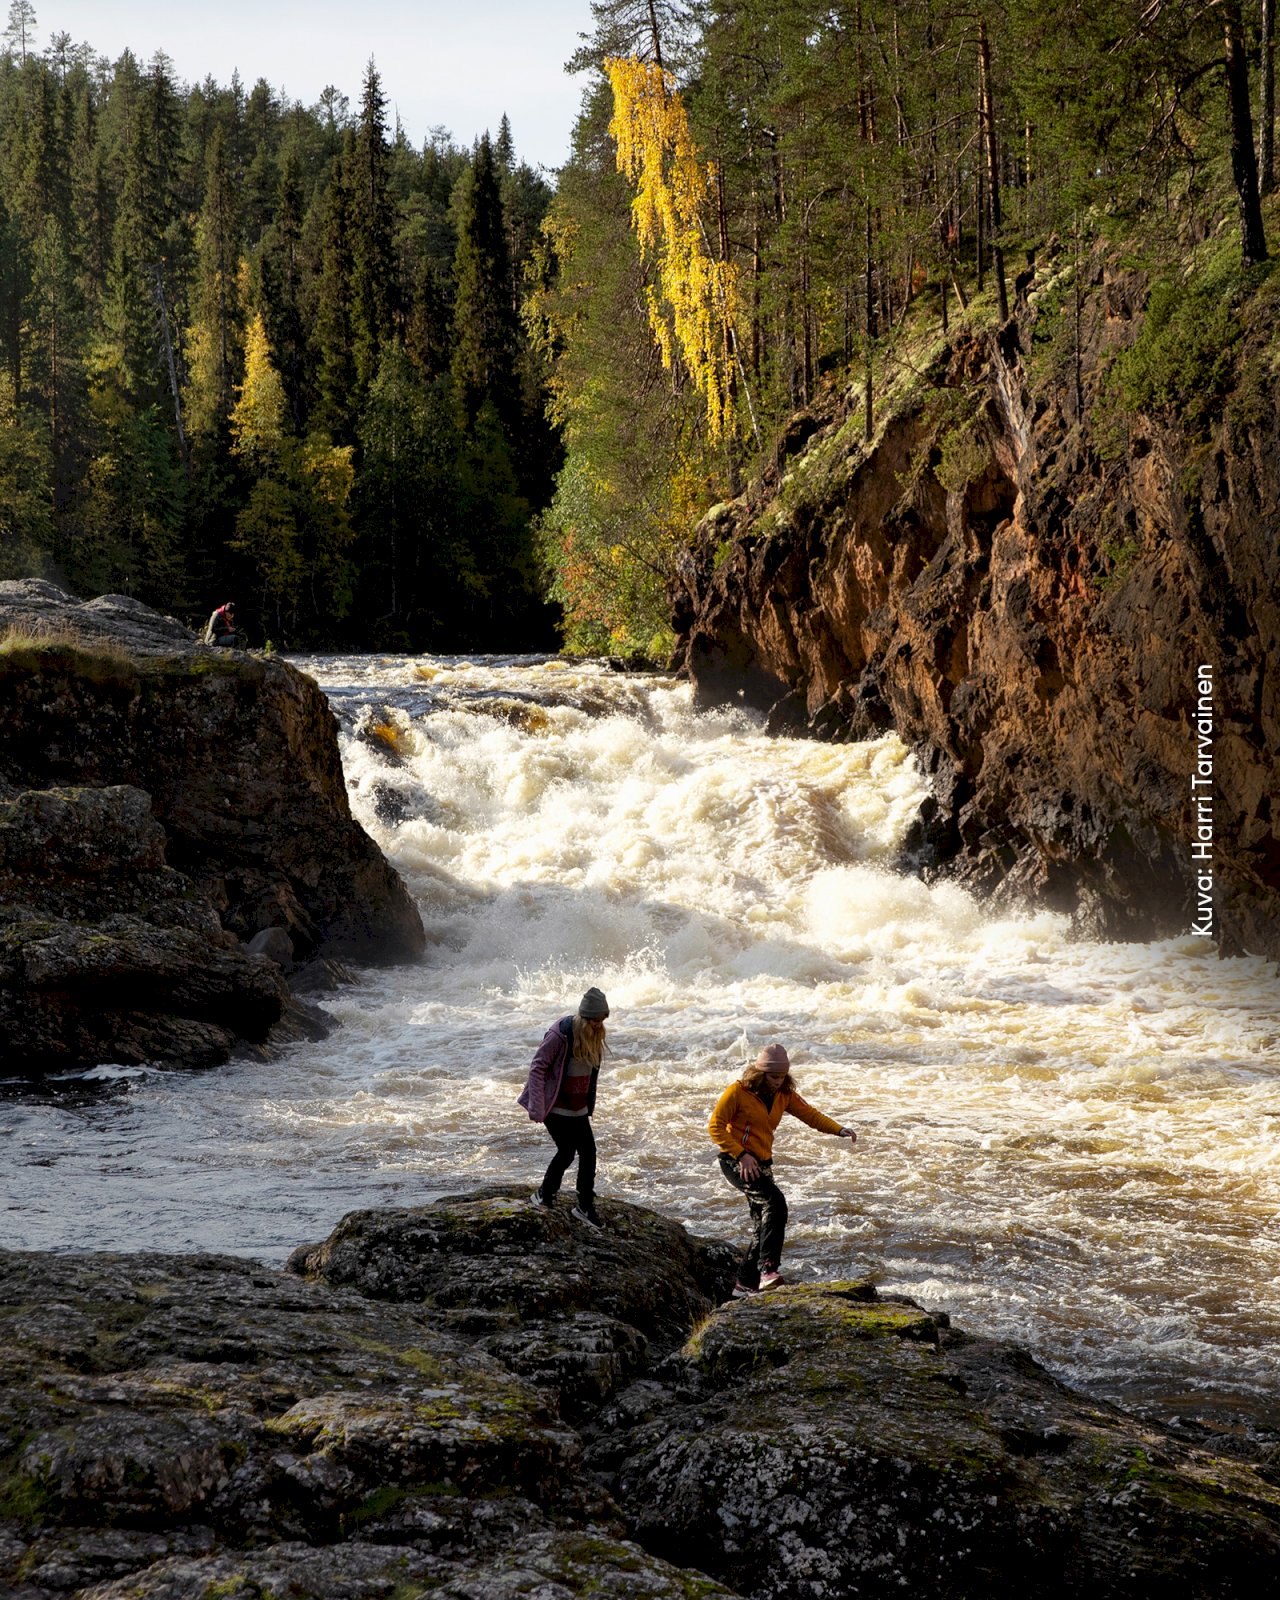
155, 1406
836, 1443
516, 1405
108, 953
511, 1562
577, 1311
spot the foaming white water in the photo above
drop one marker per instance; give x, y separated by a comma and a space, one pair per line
1070, 1144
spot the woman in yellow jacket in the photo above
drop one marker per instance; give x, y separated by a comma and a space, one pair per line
742, 1125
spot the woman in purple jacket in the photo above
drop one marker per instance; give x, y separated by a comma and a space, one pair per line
561, 1094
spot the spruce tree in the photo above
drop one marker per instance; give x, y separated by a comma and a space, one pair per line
375, 296
335, 408
216, 335
485, 328
281, 276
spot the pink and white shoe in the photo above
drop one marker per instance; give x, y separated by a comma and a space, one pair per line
771, 1280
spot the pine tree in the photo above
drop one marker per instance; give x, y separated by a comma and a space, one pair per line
20, 34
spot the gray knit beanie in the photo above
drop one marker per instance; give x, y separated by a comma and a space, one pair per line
593, 1007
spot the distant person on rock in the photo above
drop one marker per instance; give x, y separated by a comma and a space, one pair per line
222, 626
742, 1125
561, 1094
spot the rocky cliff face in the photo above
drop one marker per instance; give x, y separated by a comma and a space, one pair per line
481, 1400
1027, 589
161, 805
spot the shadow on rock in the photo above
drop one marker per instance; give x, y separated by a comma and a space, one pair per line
484, 1400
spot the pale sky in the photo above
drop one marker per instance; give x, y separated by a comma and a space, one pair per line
461, 64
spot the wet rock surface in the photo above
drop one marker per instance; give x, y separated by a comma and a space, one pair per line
836, 1443
1034, 632
161, 804
204, 1426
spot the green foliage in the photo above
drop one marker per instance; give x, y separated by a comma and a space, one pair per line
1184, 360
637, 473
199, 290
871, 165
484, 348
1120, 555
26, 508
963, 456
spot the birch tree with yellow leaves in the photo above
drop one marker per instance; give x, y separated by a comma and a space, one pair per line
693, 303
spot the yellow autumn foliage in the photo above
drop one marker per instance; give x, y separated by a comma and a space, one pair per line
693, 306
258, 416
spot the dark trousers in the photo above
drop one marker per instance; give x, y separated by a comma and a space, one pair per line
768, 1212
573, 1137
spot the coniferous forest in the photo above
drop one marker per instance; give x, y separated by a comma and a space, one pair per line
401, 397
257, 349
769, 201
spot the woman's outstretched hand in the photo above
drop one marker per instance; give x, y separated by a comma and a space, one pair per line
848, 1133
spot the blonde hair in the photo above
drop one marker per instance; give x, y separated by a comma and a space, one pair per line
753, 1076
588, 1039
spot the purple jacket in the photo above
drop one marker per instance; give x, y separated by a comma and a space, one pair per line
547, 1072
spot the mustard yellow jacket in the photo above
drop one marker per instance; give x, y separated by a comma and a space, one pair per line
742, 1122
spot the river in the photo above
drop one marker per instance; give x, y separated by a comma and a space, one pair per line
1068, 1144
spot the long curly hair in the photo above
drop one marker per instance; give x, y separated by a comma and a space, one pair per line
753, 1078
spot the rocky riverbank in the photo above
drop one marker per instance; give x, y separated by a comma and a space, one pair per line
481, 1400
1058, 589
178, 858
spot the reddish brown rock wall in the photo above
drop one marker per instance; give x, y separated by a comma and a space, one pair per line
1035, 636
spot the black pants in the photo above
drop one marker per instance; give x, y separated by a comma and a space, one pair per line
768, 1212
573, 1137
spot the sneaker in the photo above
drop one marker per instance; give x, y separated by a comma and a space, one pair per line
771, 1280
744, 1291
538, 1199
587, 1214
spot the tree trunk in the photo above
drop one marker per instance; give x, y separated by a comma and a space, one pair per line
868, 419
1244, 166
993, 165
980, 228
1267, 138
656, 37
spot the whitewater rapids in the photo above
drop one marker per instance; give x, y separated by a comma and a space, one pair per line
1072, 1145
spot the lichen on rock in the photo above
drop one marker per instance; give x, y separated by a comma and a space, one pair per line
421, 1417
